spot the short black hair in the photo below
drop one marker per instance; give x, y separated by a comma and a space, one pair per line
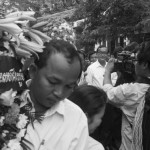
117, 50
91, 53
58, 46
89, 98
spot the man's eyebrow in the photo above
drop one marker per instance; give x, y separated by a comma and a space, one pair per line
53, 78
58, 80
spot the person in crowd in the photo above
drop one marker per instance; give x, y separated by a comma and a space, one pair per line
109, 132
95, 72
92, 56
133, 100
54, 76
83, 75
117, 50
82, 57
123, 75
92, 101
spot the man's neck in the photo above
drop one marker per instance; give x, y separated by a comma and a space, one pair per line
102, 62
38, 107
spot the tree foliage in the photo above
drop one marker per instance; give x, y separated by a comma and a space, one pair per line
23, 5
42, 6
123, 15
110, 18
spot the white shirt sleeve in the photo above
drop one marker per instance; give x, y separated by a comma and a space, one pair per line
89, 76
117, 95
128, 94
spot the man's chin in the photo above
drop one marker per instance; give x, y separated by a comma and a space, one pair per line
51, 104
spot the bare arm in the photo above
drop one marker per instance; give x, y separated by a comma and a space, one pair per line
108, 70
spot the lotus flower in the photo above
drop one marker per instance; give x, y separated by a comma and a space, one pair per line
7, 98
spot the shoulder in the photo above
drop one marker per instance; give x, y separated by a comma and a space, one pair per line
70, 105
92, 66
94, 145
74, 111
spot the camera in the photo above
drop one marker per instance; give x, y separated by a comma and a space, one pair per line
125, 62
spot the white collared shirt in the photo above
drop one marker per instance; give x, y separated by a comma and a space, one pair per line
127, 97
94, 145
95, 75
64, 127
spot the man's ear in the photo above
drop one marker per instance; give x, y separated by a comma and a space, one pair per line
88, 118
32, 70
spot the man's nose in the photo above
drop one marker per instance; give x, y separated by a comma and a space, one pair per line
58, 91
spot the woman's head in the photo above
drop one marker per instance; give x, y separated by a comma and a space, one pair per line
92, 101
142, 65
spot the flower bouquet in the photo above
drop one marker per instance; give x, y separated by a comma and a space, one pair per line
14, 118
18, 43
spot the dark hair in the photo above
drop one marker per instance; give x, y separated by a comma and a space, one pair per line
58, 46
117, 50
99, 48
89, 98
144, 53
91, 53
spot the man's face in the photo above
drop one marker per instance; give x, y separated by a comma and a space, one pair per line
102, 53
93, 58
55, 81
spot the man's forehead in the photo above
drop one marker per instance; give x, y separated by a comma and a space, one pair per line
102, 50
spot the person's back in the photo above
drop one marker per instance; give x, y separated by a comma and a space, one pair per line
54, 76
130, 98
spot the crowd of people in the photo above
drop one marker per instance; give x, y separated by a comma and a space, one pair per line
63, 99
89, 107
127, 89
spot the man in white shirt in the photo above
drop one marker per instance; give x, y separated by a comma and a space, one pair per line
95, 72
54, 76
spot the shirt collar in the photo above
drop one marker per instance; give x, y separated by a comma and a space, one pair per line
99, 65
58, 108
